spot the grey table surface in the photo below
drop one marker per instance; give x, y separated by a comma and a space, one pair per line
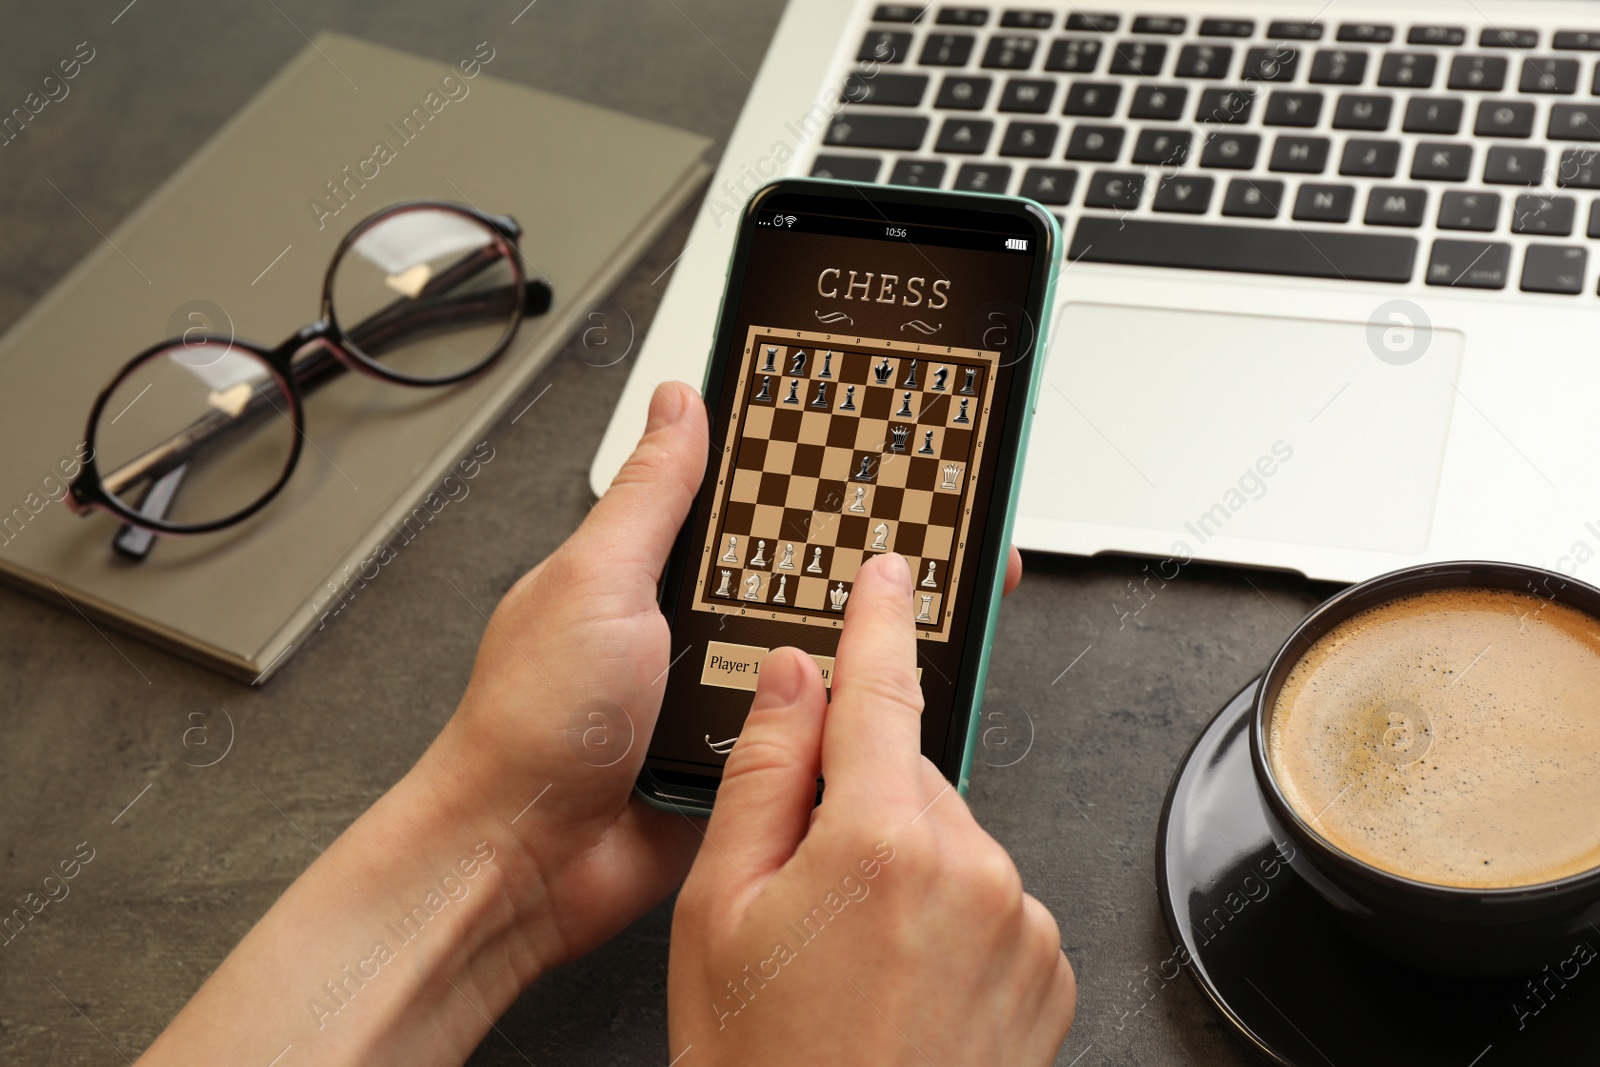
181, 875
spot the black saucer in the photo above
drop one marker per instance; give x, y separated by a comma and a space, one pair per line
1268, 953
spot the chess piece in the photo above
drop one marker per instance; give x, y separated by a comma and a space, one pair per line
880, 538
952, 471
765, 396
911, 376
815, 566
777, 598
858, 504
752, 587
827, 366
821, 399
961, 416
897, 438
849, 399
760, 558
837, 596
772, 355
722, 590
732, 555
905, 407
939, 377
797, 363
794, 392
927, 605
787, 562
927, 444
865, 473
882, 372
928, 582
967, 388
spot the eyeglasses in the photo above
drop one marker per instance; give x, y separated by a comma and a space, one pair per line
201, 431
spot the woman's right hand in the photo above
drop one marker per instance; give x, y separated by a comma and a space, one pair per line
883, 926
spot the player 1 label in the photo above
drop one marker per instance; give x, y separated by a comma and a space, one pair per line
731, 666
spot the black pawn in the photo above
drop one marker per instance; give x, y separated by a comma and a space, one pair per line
911, 376
961, 416
797, 363
821, 399
939, 377
794, 392
849, 399
865, 473
967, 386
927, 444
772, 354
905, 405
765, 395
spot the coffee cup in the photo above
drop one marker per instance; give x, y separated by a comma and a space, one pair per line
1428, 741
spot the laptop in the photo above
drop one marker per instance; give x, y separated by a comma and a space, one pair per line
1328, 303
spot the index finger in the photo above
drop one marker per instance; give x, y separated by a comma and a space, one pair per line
873, 732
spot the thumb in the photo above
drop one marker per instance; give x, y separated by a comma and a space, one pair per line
769, 786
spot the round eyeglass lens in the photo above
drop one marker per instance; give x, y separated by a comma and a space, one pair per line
426, 293
194, 434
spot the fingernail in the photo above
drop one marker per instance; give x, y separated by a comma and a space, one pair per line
666, 407
899, 573
781, 682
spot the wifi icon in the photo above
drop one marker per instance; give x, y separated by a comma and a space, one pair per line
789, 220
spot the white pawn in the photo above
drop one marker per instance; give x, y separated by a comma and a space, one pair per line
787, 562
928, 582
732, 555
760, 559
815, 566
861, 495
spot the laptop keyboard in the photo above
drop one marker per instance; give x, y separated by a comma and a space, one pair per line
1364, 151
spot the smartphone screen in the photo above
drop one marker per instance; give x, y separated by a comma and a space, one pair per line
867, 394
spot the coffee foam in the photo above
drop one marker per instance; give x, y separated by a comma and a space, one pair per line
1450, 737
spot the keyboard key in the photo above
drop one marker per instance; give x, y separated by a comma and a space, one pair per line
965, 136
1092, 98
1203, 61
1027, 20
1439, 35
1252, 199
1032, 95
1232, 151
1576, 41
1554, 269
1549, 75
1075, 55
1137, 57
1442, 161
982, 178
960, 93
884, 46
1580, 169
963, 16
1373, 257
1357, 112
1049, 185
1227, 28
1114, 189
898, 13
1594, 220
1293, 109
1366, 33
1158, 102
1033, 139
853, 130
1433, 114
1370, 159
1390, 206
1338, 67
1225, 105
924, 173
1514, 166
1408, 70
1093, 23
1480, 73
1551, 216
1325, 203
1574, 122
1300, 155
1274, 64
847, 168
947, 49
1162, 148
1167, 24
1295, 31
1184, 194
1469, 264
1469, 211
1011, 51
884, 89
1498, 38
1504, 118
1100, 144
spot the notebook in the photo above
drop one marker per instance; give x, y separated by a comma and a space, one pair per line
242, 235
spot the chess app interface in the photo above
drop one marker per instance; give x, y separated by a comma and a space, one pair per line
862, 392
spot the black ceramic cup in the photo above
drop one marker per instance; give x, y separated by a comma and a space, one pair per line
1462, 932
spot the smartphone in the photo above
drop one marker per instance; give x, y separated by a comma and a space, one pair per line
874, 370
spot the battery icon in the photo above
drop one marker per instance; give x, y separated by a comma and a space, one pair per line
1017, 244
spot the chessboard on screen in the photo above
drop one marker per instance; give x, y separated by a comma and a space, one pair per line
840, 448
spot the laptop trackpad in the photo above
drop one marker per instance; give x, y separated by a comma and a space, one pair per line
1249, 426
